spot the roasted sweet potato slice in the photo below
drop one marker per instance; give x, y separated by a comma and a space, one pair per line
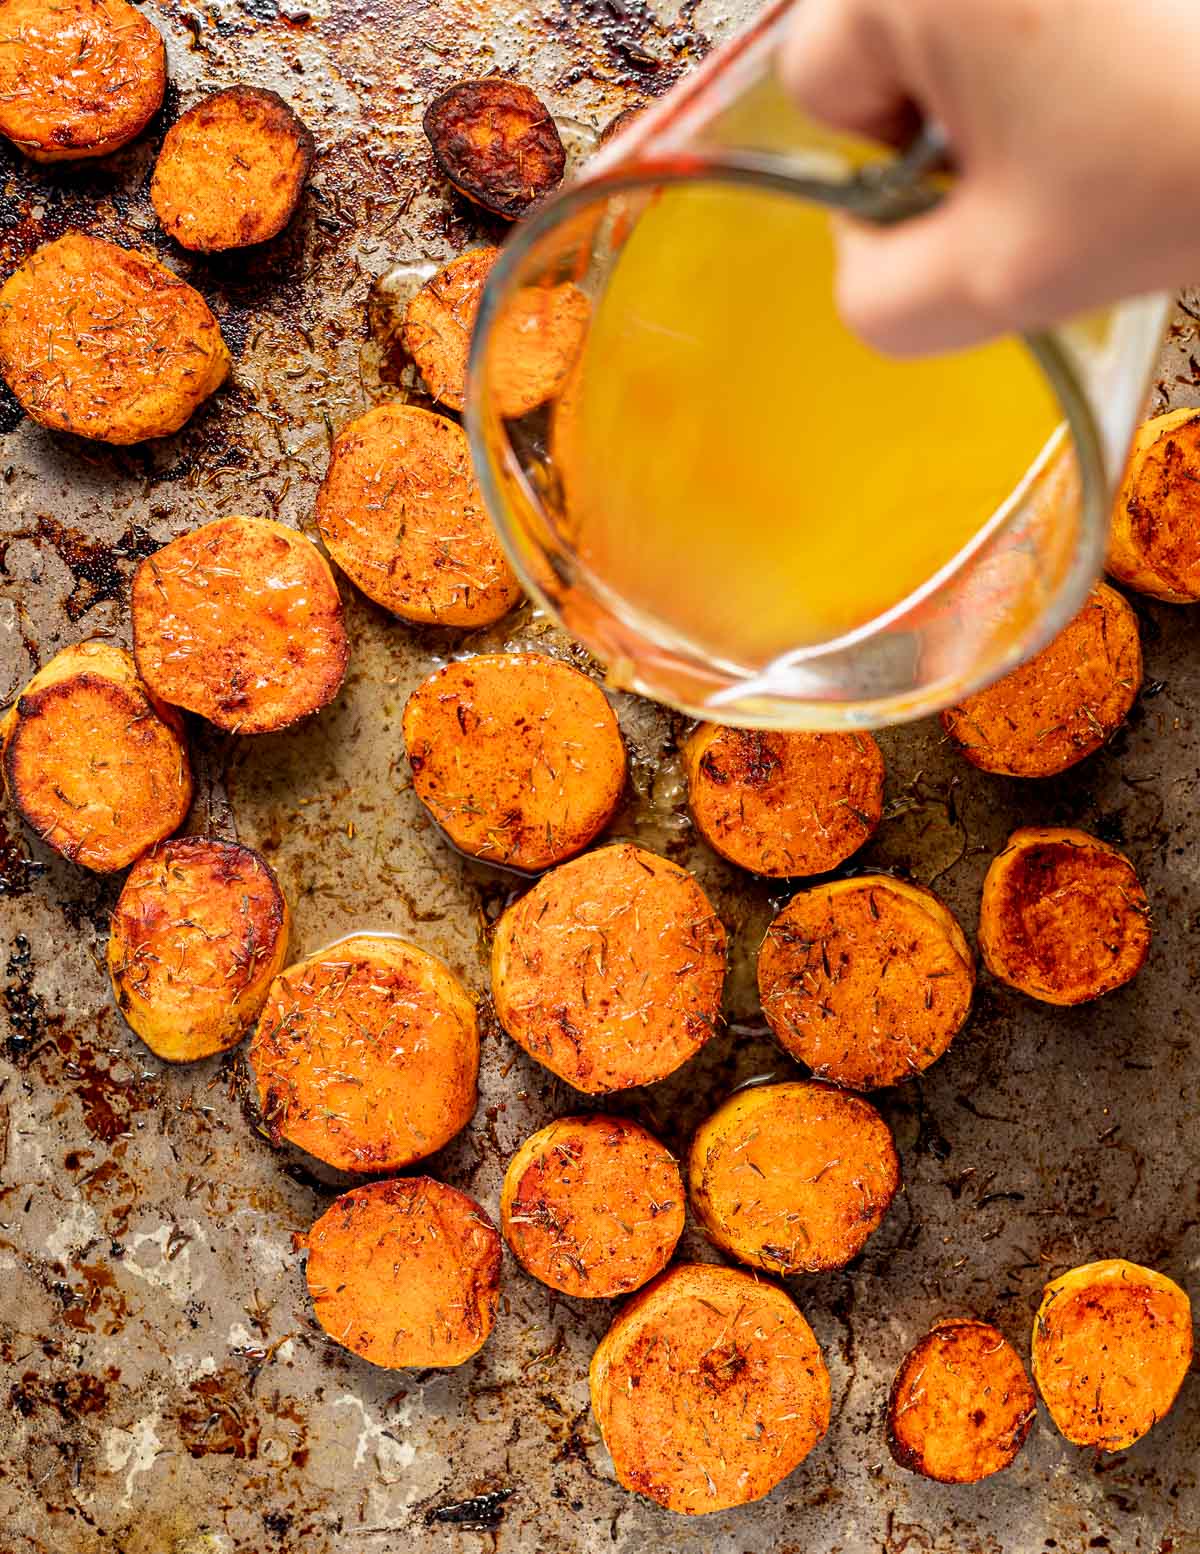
496, 143
405, 1273
961, 1404
367, 1054
401, 514
535, 340
609, 971
103, 342
1064, 703
866, 980
793, 1178
198, 934
240, 621
709, 1388
1064, 916
231, 170
78, 78
783, 804
592, 1206
516, 756
1154, 543
92, 761
1112, 1342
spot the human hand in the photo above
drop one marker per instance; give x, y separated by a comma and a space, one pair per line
1075, 128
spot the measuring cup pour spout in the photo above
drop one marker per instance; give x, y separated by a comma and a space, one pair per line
727, 498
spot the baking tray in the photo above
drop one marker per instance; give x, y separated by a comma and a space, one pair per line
164, 1388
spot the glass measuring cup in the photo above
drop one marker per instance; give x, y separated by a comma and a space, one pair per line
1026, 559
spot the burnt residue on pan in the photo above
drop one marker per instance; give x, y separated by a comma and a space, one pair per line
164, 1387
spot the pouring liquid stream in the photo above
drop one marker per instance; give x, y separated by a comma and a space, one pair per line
741, 467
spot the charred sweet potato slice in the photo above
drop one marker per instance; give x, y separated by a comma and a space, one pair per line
78, 78
103, 342
367, 1055
1112, 1343
240, 621
401, 514
93, 763
592, 1206
535, 340
1154, 543
495, 141
198, 934
709, 1389
867, 980
783, 804
793, 1178
405, 1273
231, 170
961, 1404
516, 756
1064, 916
609, 971
1064, 703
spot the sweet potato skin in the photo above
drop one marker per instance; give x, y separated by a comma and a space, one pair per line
78, 78
1064, 917
401, 514
609, 971
103, 342
867, 980
496, 142
783, 804
240, 622
1112, 1343
592, 1206
1062, 705
709, 1389
367, 1054
1154, 543
961, 1404
793, 1178
198, 933
231, 170
405, 1273
517, 756
92, 761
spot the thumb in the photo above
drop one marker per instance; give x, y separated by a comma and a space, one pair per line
923, 285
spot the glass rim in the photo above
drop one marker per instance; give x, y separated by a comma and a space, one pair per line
776, 174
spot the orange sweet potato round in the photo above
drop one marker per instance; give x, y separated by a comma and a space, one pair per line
401, 514
93, 762
240, 621
867, 980
709, 1388
517, 756
496, 143
367, 1054
231, 170
101, 341
961, 1404
592, 1206
794, 1177
78, 78
1112, 1343
609, 971
1064, 703
1064, 916
1154, 544
198, 934
405, 1273
783, 804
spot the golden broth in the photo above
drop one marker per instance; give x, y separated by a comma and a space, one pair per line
741, 467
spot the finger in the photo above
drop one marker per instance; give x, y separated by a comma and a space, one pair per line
920, 287
838, 63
